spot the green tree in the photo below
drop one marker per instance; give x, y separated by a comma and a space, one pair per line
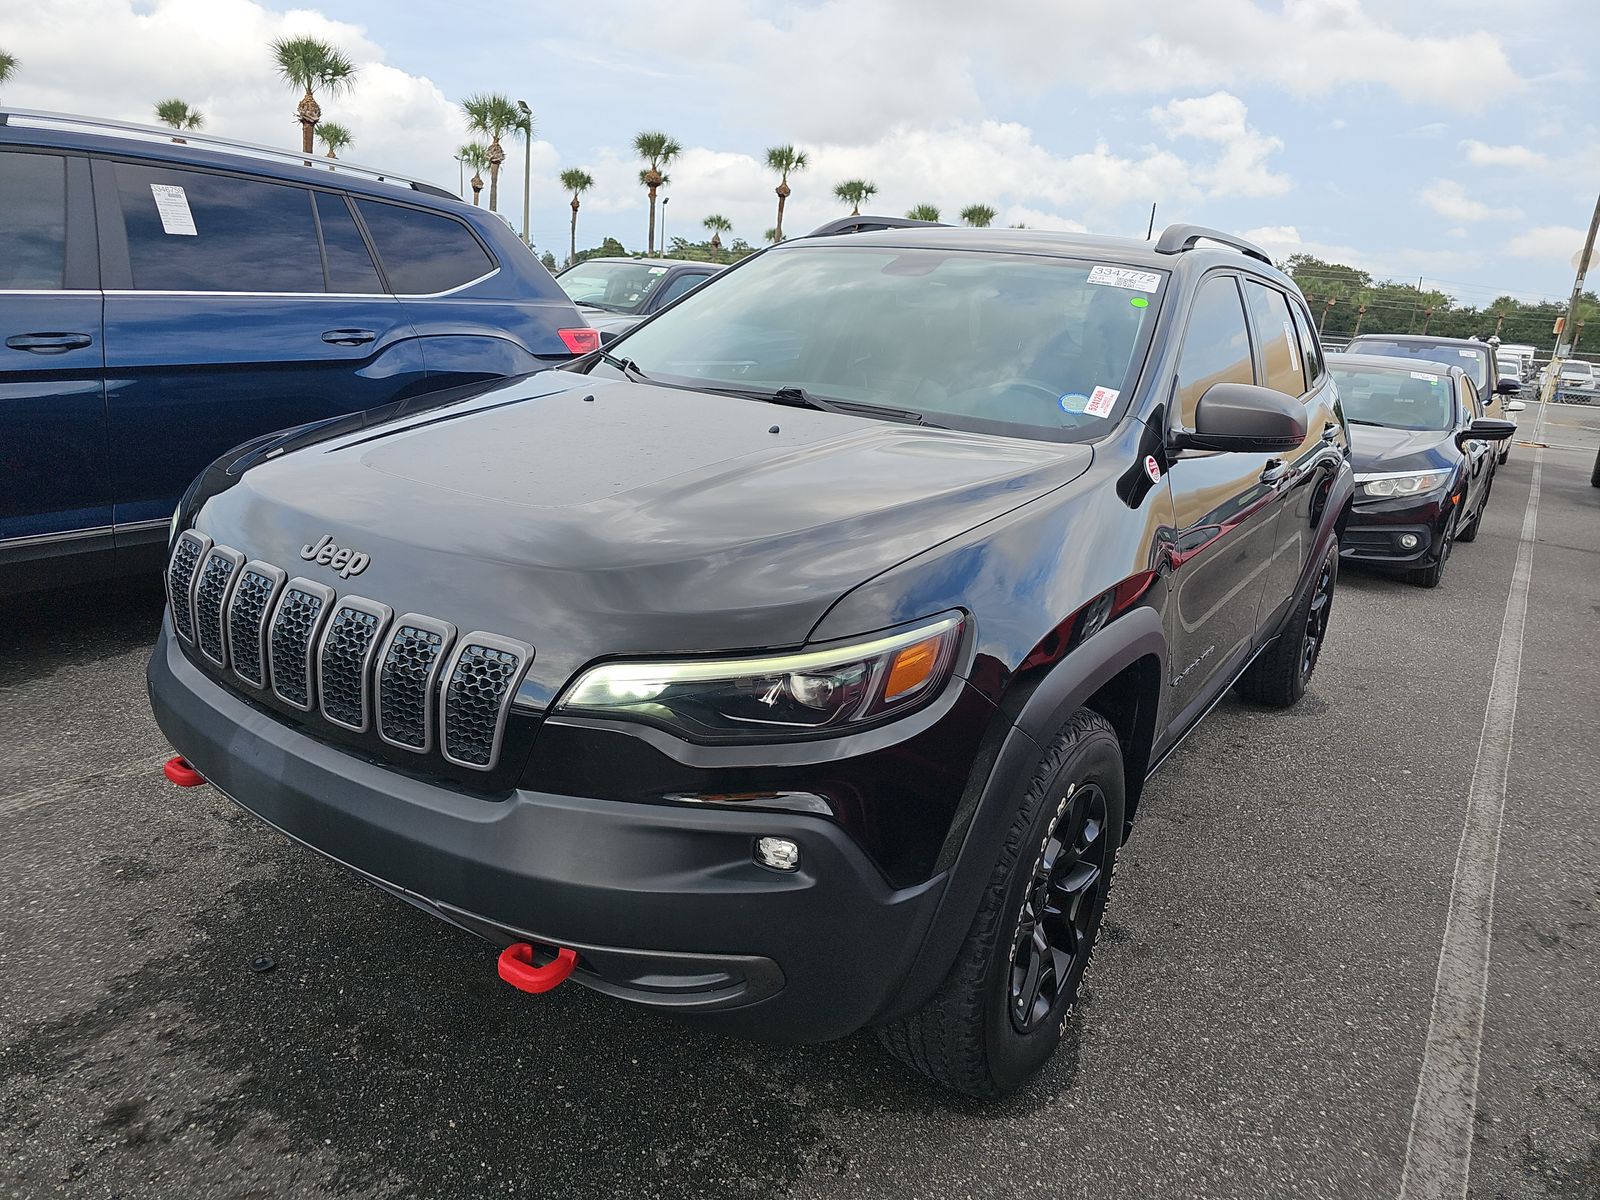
771, 236
855, 193
8, 65
334, 137
577, 182
658, 151
718, 225
979, 216
306, 62
924, 212
476, 156
785, 160
179, 115
610, 248
548, 262
492, 115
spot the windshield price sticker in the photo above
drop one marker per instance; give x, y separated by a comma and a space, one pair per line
173, 208
1125, 277
1467, 353
1101, 401
658, 270
1426, 378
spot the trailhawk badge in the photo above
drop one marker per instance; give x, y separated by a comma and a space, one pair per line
343, 560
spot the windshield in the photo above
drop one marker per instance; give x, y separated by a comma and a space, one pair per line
1474, 361
1576, 370
620, 287
1001, 343
1399, 399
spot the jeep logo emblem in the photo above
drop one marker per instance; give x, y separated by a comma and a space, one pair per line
345, 561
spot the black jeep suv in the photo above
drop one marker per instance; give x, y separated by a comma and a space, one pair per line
796, 663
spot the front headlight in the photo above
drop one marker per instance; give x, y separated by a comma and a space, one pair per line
1414, 484
777, 695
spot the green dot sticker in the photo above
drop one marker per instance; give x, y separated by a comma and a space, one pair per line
1139, 302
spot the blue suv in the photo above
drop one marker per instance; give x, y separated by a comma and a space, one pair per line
163, 301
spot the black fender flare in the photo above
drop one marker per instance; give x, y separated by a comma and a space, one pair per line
979, 827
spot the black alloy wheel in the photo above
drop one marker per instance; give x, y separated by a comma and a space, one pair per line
1317, 619
1061, 909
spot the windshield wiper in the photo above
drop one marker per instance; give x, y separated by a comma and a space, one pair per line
798, 397
1359, 421
630, 369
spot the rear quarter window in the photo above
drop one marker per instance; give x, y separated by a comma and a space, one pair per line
423, 252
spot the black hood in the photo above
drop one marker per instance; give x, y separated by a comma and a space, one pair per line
594, 517
1379, 448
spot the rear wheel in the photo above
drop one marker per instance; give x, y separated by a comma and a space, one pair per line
997, 1017
1278, 678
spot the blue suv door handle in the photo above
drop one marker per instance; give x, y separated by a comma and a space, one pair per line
48, 343
349, 337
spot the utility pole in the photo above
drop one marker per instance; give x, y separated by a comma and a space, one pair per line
1577, 283
664, 202
1361, 315
1332, 300
527, 163
1411, 320
1427, 318
1500, 319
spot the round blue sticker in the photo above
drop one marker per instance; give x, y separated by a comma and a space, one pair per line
1074, 402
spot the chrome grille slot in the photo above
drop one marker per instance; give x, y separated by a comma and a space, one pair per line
479, 681
186, 555
248, 609
344, 657
292, 640
212, 584
408, 673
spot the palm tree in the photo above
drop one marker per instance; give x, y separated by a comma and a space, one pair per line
179, 115
855, 193
491, 115
658, 151
577, 182
8, 65
785, 160
771, 235
305, 62
924, 212
718, 225
476, 156
333, 136
979, 216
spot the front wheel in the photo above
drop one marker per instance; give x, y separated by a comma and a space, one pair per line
1429, 576
1279, 677
997, 1017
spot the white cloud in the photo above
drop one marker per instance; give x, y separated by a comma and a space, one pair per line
1451, 201
1280, 241
1556, 243
1482, 154
1221, 118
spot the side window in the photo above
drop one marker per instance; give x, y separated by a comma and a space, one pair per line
1471, 408
1216, 346
423, 252
194, 231
686, 282
1310, 348
1276, 337
33, 232
350, 267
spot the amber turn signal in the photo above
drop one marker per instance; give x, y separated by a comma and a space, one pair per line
912, 668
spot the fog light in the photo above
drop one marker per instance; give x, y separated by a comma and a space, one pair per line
780, 854
1409, 541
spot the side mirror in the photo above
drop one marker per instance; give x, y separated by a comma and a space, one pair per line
1515, 406
1507, 386
1245, 418
1486, 429
607, 336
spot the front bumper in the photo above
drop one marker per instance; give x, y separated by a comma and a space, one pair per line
1373, 532
663, 903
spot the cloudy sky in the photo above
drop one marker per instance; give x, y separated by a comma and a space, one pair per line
1458, 140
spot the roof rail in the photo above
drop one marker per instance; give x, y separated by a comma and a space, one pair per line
53, 120
1175, 239
862, 223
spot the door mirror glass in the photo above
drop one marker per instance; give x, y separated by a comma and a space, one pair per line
1244, 417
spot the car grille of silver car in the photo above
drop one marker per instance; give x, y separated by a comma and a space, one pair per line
349, 659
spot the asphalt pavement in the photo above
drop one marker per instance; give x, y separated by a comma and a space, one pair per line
190, 1006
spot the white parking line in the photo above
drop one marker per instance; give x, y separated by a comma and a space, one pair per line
1439, 1149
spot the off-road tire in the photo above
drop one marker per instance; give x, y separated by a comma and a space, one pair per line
1279, 677
964, 1037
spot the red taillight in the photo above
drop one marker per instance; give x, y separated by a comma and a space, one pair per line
581, 341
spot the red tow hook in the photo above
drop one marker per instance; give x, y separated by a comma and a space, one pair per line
178, 771
517, 969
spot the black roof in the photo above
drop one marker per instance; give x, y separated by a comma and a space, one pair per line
1389, 362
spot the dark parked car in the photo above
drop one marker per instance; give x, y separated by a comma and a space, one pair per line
1478, 359
799, 666
1423, 459
615, 294
161, 302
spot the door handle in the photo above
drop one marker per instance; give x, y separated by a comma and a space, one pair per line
49, 343
1330, 432
1275, 470
349, 337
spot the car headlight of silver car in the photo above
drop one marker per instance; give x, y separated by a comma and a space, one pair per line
775, 696
1384, 487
